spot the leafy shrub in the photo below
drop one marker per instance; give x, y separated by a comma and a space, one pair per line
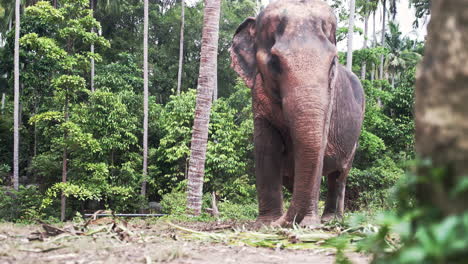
21, 205
174, 203
4, 170
426, 234
370, 188
230, 210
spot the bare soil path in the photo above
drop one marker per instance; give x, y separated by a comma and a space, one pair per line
141, 242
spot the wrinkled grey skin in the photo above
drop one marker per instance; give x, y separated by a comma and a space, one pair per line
308, 109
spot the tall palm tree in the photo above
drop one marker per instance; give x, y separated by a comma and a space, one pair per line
400, 54
382, 57
91, 6
16, 100
145, 97
206, 84
367, 8
349, 56
181, 47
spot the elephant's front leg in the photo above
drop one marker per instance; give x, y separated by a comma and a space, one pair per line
268, 152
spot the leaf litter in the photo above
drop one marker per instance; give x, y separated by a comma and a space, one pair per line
150, 241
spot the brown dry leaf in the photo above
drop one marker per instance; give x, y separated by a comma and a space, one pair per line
52, 231
100, 221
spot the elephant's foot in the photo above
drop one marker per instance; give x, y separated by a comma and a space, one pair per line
327, 217
265, 221
282, 222
311, 221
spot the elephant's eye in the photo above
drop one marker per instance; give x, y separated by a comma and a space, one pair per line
274, 63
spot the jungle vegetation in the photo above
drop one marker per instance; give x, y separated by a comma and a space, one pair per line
81, 109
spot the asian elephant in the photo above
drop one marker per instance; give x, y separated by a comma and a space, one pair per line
308, 109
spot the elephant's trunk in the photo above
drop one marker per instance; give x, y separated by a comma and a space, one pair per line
308, 109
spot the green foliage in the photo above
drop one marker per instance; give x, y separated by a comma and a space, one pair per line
229, 155
238, 211
21, 205
370, 188
425, 233
174, 203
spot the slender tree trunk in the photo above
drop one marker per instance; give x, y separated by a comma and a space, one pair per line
16, 99
63, 201
145, 98
349, 56
441, 108
374, 34
181, 47
215, 90
55, 4
372, 77
3, 103
91, 5
206, 83
364, 46
382, 57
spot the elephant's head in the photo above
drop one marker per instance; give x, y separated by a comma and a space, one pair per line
291, 44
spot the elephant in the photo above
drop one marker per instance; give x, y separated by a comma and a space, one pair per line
308, 109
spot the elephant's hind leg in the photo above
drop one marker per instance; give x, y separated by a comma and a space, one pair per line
268, 155
336, 183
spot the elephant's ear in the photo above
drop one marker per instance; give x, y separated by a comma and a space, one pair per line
243, 51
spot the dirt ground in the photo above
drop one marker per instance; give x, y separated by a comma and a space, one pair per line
142, 242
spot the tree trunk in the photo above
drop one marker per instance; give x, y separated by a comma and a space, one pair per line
181, 47
364, 46
372, 72
441, 108
373, 33
206, 83
63, 201
382, 57
215, 90
349, 56
55, 4
16, 99
145, 98
91, 5
3, 104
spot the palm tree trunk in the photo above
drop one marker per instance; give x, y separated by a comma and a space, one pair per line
91, 5
206, 83
374, 33
364, 46
441, 109
145, 98
349, 56
16, 100
384, 3
181, 47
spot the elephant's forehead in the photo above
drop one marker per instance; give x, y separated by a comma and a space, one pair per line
298, 11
